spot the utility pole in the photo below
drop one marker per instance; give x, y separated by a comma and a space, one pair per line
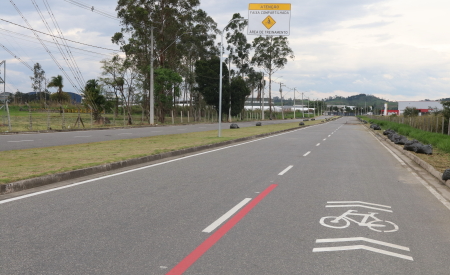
294, 103
262, 95
303, 108
281, 96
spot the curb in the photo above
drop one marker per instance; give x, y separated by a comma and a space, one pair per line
430, 169
49, 179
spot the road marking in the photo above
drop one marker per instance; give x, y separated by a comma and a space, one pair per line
359, 202
369, 248
317, 144
149, 166
285, 170
156, 131
329, 135
335, 240
324, 139
202, 127
307, 153
424, 183
20, 140
359, 205
190, 259
226, 216
82, 136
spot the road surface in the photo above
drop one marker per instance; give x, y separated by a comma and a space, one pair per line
326, 199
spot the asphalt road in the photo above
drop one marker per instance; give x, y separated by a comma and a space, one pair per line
327, 199
38, 140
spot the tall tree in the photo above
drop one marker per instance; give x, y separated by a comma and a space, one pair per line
93, 98
207, 78
57, 82
271, 54
239, 92
37, 80
167, 87
238, 47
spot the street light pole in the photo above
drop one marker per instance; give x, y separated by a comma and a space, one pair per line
294, 103
281, 97
303, 108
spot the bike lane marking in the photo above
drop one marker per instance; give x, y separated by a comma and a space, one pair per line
190, 259
225, 216
359, 204
285, 170
369, 248
335, 240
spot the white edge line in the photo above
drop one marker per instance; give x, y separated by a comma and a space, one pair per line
285, 170
226, 216
362, 239
144, 167
424, 183
359, 205
355, 247
307, 153
359, 202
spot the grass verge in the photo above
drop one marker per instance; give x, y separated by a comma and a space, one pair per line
440, 159
29, 163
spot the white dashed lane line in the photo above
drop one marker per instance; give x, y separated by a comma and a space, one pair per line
226, 216
19, 140
285, 170
307, 153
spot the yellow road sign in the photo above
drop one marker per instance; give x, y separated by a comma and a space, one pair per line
269, 19
269, 22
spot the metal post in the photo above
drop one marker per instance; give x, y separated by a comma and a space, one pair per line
262, 104
303, 108
220, 84
281, 97
294, 103
152, 98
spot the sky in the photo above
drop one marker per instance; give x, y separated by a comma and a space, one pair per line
398, 50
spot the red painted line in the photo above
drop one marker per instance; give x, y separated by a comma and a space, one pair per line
190, 259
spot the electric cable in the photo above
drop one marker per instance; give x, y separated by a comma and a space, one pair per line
91, 8
53, 35
16, 57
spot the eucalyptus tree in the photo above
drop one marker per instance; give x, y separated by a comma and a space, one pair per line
238, 47
93, 98
271, 54
171, 21
167, 87
37, 80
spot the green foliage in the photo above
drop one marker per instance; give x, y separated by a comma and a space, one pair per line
437, 140
166, 89
57, 82
410, 112
93, 98
238, 47
271, 54
207, 78
60, 97
239, 92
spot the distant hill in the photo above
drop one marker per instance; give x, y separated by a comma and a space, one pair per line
361, 100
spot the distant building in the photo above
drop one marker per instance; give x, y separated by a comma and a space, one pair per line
423, 106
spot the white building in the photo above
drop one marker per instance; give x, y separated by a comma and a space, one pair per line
422, 106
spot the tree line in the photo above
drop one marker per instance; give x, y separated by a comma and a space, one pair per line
185, 58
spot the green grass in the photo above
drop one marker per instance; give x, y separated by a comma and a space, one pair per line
29, 163
437, 140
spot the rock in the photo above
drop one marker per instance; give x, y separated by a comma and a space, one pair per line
313, 119
258, 123
446, 175
234, 126
301, 124
306, 120
425, 149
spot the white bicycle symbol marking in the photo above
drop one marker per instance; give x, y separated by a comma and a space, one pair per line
343, 221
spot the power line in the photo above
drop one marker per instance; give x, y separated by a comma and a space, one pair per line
16, 33
56, 36
91, 8
15, 56
45, 47
65, 57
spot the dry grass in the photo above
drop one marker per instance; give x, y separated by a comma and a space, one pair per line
28, 163
440, 160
